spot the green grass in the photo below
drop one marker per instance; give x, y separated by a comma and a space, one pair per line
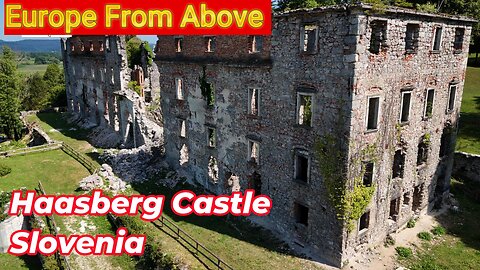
469, 132
238, 243
30, 69
459, 248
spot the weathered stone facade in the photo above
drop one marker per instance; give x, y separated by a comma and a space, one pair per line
466, 166
245, 112
97, 77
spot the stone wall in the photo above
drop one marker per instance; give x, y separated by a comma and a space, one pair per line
337, 73
387, 75
97, 77
466, 166
7, 228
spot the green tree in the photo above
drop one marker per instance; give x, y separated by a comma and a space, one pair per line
55, 82
10, 123
134, 52
37, 93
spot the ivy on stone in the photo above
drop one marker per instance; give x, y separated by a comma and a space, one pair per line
207, 89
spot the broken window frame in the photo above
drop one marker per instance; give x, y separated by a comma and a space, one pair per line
459, 39
251, 110
179, 93
398, 165
364, 222
183, 128
395, 206
452, 96
429, 104
378, 37
305, 48
251, 147
255, 44
178, 40
437, 38
300, 117
411, 41
210, 44
211, 137
368, 169
406, 113
445, 143
369, 127
296, 174
301, 213
422, 152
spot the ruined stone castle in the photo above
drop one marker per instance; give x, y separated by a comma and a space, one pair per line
383, 90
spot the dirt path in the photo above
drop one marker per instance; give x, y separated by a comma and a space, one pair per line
381, 257
83, 225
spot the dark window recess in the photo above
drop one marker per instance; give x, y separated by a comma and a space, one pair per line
394, 209
459, 38
398, 164
451, 97
364, 221
417, 197
411, 38
406, 198
446, 142
301, 214
368, 174
373, 106
429, 103
405, 116
255, 44
422, 153
301, 168
437, 39
309, 43
378, 39
179, 44
255, 182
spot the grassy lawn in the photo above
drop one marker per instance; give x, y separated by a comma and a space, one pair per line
60, 130
460, 248
469, 132
30, 69
241, 245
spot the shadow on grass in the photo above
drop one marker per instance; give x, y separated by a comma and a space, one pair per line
473, 62
58, 122
465, 223
469, 124
235, 227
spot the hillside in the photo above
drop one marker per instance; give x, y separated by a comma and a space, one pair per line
33, 45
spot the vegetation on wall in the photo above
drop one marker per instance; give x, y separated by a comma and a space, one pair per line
134, 51
207, 89
349, 197
133, 85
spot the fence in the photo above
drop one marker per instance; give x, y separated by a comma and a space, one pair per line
91, 167
53, 228
189, 240
30, 150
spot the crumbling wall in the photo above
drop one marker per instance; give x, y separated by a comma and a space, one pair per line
387, 74
279, 73
466, 166
97, 77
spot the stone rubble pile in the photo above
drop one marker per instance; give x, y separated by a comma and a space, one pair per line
94, 181
136, 165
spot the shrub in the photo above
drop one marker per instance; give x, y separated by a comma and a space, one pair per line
438, 230
153, 256
389, 241
411, 223
4, 170
404, 252
425, 236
